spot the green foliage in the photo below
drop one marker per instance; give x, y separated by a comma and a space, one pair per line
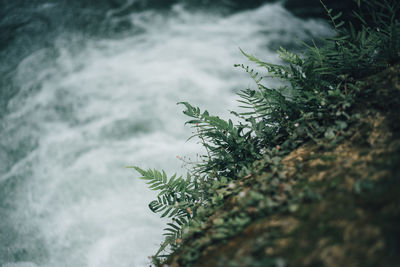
317, 103
178, 199
229, 147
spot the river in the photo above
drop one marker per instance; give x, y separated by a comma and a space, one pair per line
90, 87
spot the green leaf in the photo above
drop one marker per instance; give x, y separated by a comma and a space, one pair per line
164, 175
166, 212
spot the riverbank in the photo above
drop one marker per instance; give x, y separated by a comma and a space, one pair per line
349, 215
308, 175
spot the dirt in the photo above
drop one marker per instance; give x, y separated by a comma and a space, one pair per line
354, 219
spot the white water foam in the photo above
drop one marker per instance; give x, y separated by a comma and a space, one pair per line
100, 105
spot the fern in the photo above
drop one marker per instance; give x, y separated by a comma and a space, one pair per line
178, 199
316, 103
229, 147
336, 23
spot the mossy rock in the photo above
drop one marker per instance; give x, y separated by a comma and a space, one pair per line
338, 203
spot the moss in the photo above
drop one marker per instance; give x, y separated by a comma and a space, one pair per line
335, 205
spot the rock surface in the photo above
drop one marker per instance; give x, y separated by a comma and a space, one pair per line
351, 215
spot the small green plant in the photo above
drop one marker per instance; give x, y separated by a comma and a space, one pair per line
178, 199
322, 86
229, 147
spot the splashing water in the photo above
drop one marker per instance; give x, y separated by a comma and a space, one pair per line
87, 107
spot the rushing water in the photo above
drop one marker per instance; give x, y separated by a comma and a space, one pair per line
86, 91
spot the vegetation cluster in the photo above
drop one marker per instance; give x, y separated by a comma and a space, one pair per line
318, 104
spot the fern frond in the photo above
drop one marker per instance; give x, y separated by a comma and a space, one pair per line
336, 23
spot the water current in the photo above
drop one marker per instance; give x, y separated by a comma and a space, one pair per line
87, 89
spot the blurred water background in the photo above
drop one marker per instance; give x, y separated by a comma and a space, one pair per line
88, 87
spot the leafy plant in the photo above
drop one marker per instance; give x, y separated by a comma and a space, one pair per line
229, 147
322, 86
178, 199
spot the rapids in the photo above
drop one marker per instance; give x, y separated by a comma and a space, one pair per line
81, 102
